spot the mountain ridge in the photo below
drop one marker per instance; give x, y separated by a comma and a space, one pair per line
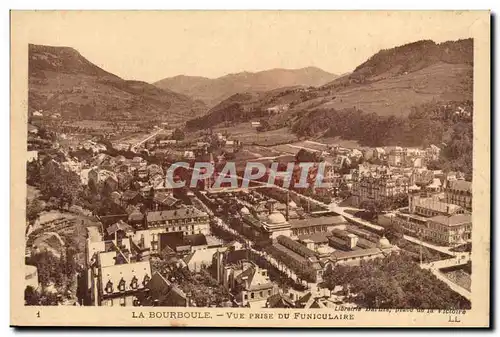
215, 90
62, 80
390, 82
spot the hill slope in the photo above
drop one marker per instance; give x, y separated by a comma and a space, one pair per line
391, 83
62, 80
213, 91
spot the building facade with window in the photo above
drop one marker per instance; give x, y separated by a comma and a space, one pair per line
378, 185
118, 270
459, 192
189, 221
249, 284
119, 284
436, 221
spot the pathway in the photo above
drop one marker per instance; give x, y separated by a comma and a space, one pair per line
154, 134
435, 267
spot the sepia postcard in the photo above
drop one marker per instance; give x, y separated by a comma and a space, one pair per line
250, 168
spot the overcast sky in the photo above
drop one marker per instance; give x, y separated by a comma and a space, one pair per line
150, 46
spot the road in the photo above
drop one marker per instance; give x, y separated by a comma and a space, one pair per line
434, 267
280, 266
442, 249
154, 134
342, 211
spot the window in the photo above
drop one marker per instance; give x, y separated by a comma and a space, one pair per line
269, 292
245, 297
121, 285
122, 301
252, 295
133, 283
109, 287
261, 294
110, 303
146, 280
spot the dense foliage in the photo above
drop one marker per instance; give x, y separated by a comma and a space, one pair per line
447, 125
58, 271
54, 182
415, 56
395, 282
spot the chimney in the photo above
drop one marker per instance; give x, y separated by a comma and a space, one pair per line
352, 241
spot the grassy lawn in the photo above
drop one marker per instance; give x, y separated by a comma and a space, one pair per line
247, 134
349, 144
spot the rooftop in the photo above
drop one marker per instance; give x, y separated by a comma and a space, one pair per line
316, 237
436, 205
126, 272
454, 220
321, 221
177, 214
356, 253
460, 185
118, 226
94, 234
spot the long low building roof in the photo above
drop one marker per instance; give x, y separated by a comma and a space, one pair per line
316, 237
454, 220
338, 255
321, 221
177, 214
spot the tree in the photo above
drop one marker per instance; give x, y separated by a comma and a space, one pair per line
394, 282
31, 297
59, 183
178, 134
33, 209
49, 268
33, 173
371, 207
47, 298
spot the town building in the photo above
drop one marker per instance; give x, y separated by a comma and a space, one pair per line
248, 283
276, 224
377, 185
431, 219
432, 152
280, 301
312, 225
297, 257
118, 270
395, 156
459, 192
188, 220
163, 293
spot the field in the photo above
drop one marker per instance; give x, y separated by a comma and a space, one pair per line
256, 151
247, 134
93, 124
396, 95
349, 144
